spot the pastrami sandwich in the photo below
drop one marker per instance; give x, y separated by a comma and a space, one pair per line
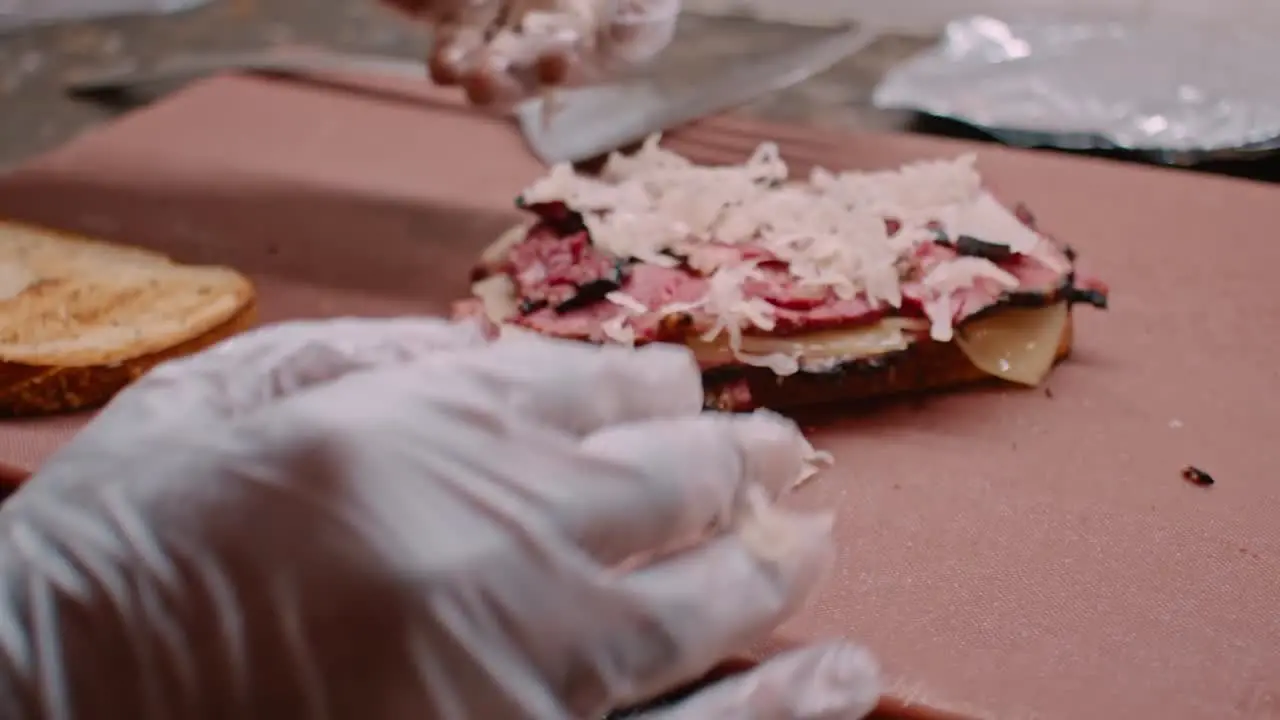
843, 287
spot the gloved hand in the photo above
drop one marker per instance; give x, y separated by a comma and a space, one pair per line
500, 50
394, 519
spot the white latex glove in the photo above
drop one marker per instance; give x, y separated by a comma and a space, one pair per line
392, 519
501, 50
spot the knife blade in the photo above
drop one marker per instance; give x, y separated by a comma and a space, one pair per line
592, 121
582, 123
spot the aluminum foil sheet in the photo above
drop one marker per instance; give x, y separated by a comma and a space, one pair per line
1178, 94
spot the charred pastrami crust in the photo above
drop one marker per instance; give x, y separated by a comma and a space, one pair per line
595, 291
1089, 296
970, 246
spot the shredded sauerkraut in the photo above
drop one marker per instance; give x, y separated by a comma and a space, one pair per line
830, 231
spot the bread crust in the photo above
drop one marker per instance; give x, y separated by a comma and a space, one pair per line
31, 391
85, 318
925, 366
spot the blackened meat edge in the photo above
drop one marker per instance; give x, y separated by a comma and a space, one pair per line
595, 291
971, 246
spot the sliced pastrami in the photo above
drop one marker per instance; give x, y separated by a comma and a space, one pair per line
564, 273
776, 285
831, 314
562, 282
658, 288
797, 308
595, 290
652, 286
586, 323
1038, 284
1033, 275
655, 286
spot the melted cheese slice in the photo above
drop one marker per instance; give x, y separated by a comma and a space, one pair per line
886, 336
1018, 345
497, 293
1015, 344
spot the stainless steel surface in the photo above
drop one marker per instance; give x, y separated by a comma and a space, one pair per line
579, 124
593, 121
1175, 92
185, 68
36, 114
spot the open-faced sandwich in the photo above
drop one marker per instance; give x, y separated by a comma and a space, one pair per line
844, 287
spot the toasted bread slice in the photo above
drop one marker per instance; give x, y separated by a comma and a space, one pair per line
81, 319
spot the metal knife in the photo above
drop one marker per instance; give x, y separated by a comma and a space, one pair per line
592, 121
582, 123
